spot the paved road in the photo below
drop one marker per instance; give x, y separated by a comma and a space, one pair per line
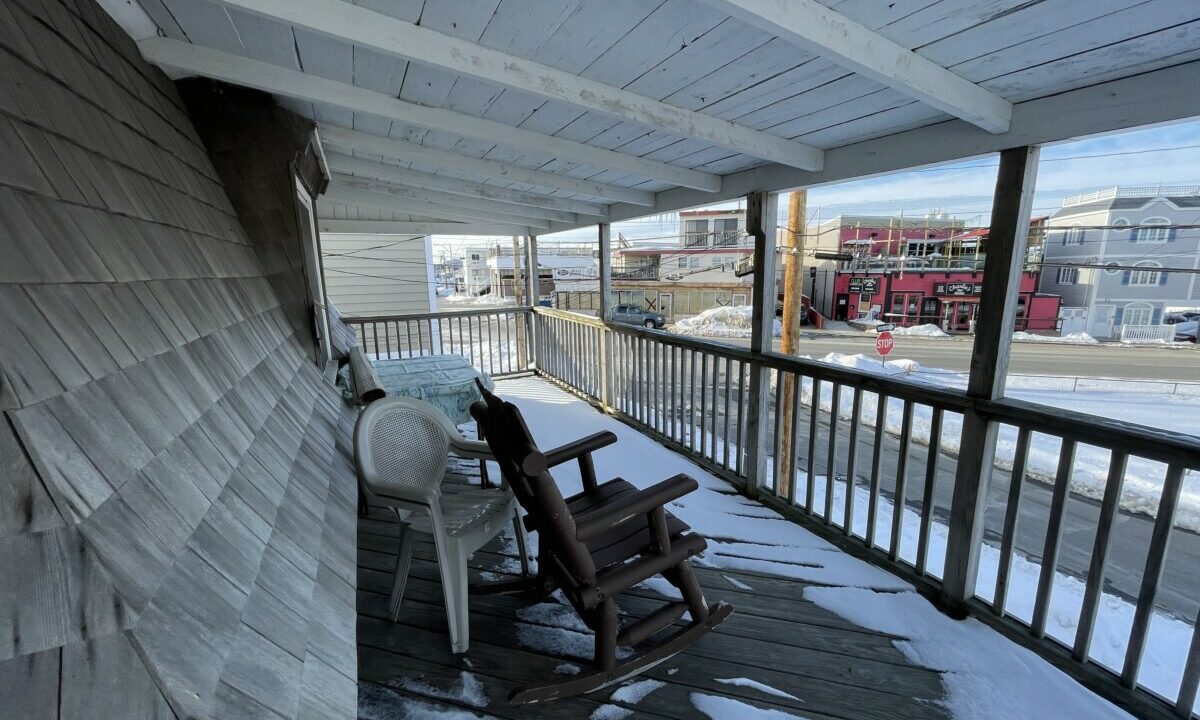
1026, 358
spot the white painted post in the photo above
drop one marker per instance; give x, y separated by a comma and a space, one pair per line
604, 232
533, 285
761, 209
1007, 238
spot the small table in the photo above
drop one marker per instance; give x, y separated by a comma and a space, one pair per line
445, 381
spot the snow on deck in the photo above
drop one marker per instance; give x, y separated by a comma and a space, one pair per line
815, 633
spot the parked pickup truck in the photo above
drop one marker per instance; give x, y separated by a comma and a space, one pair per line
634, 315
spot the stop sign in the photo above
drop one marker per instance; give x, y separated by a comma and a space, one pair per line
884, 343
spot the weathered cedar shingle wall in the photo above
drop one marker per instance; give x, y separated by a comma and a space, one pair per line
176, 496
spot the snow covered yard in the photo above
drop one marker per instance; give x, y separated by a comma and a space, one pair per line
777, 575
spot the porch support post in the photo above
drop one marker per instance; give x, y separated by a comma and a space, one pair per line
1007, 240
533, 289
761, 211
604, 233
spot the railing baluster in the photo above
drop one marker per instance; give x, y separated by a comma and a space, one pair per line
672, 396
794, 460
1095, 580
741, 416
1191, 675
375, 338
901, 489
712, 387
1156, 557
725, 426
408, 334
931, 471
691, 402
1008, 536
851, 461
876, 461
831, 453
776, 466
814, 427
703, 402
1054, 526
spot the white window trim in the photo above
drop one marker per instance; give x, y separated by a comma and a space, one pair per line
1073, 235
1160, 236
1067, 276
1139, 306
1152, 271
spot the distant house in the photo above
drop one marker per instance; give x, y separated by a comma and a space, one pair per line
373, 275
562, 267
693, 274
1110, 255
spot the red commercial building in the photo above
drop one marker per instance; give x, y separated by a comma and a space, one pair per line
935, 280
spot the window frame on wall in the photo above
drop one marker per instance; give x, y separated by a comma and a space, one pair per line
1152, 231
1150, 276
314, 272
1067, 276
1073, 235
1137, 306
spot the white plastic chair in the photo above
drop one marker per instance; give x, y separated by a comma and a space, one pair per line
401, 447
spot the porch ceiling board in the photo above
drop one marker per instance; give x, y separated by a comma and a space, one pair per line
452, 162
366, 28
474, 203
357, 195
359, 167
420, 228
824, 32
238, 69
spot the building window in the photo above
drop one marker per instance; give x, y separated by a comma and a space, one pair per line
683, 262
1143, 275
695, 261
1120, 223
1073, 235
1067, 276
695, 233
1152, 230
726, 230
1137, 314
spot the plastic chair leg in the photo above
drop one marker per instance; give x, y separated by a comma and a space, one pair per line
403, 560
452, 563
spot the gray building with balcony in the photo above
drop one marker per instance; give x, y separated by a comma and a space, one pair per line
1124, 256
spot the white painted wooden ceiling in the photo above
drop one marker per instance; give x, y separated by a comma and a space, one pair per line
691, 56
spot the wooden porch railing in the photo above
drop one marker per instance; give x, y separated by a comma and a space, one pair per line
872, 454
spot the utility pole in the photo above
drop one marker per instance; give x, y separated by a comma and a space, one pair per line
793, 307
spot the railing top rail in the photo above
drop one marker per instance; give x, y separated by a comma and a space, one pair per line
573, 317
495, 310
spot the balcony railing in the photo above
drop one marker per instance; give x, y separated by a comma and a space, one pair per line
873, 461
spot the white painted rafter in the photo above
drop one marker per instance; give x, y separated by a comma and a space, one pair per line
451, 162
360, 167
396, 227
436, 196
812, 26
363, 27
240, 70
352, 193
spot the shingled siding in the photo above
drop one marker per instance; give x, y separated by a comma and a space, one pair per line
177, 498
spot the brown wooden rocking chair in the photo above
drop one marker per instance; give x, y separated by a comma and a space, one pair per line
596, 545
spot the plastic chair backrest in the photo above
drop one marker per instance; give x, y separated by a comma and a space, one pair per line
400, 451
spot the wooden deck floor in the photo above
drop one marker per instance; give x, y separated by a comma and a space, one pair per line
833, 668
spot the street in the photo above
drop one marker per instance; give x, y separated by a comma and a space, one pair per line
1027, 358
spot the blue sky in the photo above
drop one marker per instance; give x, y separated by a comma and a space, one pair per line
1167, 155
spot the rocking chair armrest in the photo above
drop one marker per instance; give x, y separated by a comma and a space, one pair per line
600, 520
577, 448
473, 449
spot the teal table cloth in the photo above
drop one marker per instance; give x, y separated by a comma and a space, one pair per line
445, 381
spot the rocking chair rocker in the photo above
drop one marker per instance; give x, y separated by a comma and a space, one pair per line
598, 544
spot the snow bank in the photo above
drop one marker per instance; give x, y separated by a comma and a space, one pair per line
488, 299
729, 322
1143, 479
920, 331
1075, 338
